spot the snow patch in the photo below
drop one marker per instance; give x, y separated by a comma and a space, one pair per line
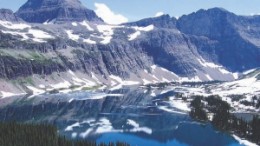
64, 84
208, 76
191, 79
181, 105
131, 83
86, 133
153, 67
137, 128
146, 29
42, 86
74, 24
89, 41
146, 82
118, 79
132, 123
74, 134
236, 75
214, 66
116, 87
107, 32
71, 35
22, 34
84, 23
39, 35
169, 110
123, 82
249, 71
106, 40
153, 94
7, 94
35, 90
244, 142
95, 78
134, 35
70, 128
224, 71
208, 64
14, 26
243, 86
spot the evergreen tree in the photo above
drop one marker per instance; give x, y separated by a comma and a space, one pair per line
221, 112
256, 129
14, 134
197, 111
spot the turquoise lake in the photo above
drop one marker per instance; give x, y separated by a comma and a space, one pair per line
129, 115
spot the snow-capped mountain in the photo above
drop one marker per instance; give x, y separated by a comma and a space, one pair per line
40, 11
57, 44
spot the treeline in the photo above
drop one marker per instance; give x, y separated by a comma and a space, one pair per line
14, 134
255, 102
213, 109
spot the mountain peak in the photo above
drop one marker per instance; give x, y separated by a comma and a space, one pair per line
211, 23
40, 11
217, 11
8, 15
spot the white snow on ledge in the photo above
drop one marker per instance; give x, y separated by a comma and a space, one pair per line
9, 94
71, 35
179, 104
243, 86
244, 142
38, 35
35, 90
15, 29
70, 127
218, 68
146, 29
89, 41
14, 26
74, 24
208, 64
191, 79
134, 35
248, 71
120, 81
137, 128
22, 34
107, 32
84, 23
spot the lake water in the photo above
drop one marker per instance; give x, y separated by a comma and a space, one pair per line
139, 116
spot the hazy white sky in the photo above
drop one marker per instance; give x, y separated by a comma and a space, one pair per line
138, 9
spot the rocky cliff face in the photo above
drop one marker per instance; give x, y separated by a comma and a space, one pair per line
8, 15
39, 11
203, 46
236, 35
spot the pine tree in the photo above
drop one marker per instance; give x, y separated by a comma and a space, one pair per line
256, 129
15, 134
197, 111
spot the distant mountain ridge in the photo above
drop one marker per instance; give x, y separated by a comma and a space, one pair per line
164, 21
236, 35
60, 44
